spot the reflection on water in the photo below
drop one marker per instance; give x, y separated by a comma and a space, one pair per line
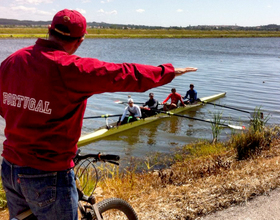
172, 125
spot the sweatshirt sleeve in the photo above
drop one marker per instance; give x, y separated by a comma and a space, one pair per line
89, 76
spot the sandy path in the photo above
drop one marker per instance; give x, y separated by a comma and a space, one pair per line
265, 207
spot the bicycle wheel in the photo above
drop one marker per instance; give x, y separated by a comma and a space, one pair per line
114, 208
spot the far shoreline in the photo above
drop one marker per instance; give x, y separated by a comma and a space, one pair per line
35, 32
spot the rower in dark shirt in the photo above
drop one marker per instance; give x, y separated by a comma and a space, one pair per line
152, 106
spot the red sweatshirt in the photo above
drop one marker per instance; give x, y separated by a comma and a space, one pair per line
43, 99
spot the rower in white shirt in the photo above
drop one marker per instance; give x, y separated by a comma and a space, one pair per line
133, 111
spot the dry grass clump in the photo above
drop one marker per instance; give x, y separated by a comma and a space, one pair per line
204, 181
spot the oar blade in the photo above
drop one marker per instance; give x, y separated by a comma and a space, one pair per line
118, 102
237, 127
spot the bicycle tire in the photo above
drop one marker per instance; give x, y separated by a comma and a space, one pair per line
118, 205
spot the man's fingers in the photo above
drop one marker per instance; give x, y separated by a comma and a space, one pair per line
180, 71
191, 69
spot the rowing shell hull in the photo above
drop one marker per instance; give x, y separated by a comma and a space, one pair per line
104, 132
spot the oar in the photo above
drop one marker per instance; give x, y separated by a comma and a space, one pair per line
198, 119
102, 116
224, 106
121, 102
138, 103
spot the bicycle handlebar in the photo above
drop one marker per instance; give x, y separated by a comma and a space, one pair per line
98, 157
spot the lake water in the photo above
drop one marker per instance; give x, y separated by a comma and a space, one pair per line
248, 69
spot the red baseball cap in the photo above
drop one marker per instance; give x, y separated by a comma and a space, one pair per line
69, 23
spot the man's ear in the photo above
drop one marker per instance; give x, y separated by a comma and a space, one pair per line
49, 28
79, 41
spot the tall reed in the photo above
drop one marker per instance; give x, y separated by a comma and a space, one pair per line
258, 121
216, 129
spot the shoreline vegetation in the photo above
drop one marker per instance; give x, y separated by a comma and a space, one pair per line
202, 177
27, 32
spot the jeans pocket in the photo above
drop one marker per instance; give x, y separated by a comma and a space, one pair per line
39, 189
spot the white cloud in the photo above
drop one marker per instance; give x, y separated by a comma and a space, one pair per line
179, 10
31, 10
114, 12
140, 10
35, 2
82, 11
106, 1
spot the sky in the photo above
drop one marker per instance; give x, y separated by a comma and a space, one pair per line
164, 13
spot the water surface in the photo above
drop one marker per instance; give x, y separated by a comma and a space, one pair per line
248, 69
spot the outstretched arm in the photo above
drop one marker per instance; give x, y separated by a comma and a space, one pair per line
181, 71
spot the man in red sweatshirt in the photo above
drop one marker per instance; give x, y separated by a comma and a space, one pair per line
44, 90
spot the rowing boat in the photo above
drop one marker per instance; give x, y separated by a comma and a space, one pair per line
104, 132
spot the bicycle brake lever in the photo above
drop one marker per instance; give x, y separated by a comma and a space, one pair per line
113, 162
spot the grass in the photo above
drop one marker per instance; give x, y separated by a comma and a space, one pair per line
140, 33
3, 200
204, 177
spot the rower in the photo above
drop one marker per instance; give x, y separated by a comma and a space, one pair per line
192, 93
175, 98
133, 111
152, 106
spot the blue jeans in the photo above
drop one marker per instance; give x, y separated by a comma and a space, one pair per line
49, 195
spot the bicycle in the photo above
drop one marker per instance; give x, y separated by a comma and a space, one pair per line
111, 208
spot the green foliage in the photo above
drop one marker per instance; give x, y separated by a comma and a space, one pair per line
202, 149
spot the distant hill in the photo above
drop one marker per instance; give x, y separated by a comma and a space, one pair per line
27, 23
14, 22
